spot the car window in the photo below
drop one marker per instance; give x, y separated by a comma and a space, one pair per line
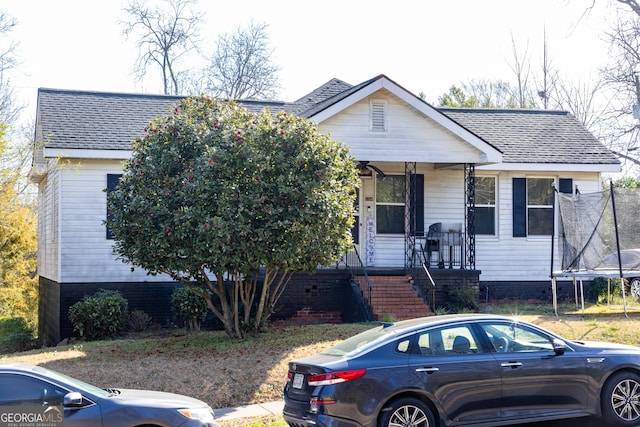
513, 337
449, 341
358, 342
403, 346
16, 390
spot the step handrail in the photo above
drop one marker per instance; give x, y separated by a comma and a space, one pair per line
433, 287
366, 289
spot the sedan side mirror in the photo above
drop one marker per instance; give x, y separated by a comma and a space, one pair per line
72, 399
559, 346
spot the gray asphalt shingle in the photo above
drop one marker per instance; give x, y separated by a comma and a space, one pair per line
110, 121
534, 136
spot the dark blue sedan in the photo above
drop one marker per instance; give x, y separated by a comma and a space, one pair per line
462, 370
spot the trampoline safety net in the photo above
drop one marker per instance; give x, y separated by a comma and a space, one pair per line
587, 238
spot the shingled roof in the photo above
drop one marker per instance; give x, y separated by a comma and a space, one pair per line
104, 121
534, 136
110, 121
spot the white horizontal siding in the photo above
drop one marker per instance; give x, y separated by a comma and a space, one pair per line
505, 258
48, 226
501, 257
410, 136
85, 253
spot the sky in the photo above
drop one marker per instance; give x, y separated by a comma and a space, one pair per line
426, 46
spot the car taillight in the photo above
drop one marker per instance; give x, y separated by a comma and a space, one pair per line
335, 377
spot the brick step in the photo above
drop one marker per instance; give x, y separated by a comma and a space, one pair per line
409, 301
389, 279
395, 291
395, 297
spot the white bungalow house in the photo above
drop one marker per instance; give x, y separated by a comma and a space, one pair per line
467, 193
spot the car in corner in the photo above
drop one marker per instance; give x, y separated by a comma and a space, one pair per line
471, 370
629, 260
27, 386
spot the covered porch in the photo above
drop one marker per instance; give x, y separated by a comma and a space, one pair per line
403, 235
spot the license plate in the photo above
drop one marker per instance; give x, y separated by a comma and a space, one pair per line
298, 379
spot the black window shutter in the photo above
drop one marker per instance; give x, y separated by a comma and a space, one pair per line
419, 207
519, 207
112, 184
565, 185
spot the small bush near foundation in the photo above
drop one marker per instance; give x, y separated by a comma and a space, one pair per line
139, 321
189, 308
100, 316
462, 299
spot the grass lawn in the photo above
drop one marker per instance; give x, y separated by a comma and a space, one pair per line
225, 372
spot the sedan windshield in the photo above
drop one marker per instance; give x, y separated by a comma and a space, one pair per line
77, 384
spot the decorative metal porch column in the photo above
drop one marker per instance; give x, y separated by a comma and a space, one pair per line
409, 214
469, 215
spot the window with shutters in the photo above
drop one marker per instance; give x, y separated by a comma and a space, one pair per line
378, 113
540, 206
391, 202
485, 212
533, 205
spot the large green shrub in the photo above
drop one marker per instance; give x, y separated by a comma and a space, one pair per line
189, 308
102, 315
16, 335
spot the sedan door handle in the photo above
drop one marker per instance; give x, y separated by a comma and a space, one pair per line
428, 370
511, 365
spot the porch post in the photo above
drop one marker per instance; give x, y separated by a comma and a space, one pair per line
469, 215
409, 214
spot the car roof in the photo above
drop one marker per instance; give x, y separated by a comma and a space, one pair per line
15, 366
27, 368
422, 322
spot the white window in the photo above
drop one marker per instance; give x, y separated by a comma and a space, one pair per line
540, 206
485, 213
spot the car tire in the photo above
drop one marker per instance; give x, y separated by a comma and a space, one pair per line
634, 287
620, 399
407, 412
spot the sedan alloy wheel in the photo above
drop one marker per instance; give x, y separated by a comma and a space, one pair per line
621, 399
408, 413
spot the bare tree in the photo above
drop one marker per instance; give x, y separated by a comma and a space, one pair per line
521, 69
242, 67
633, 4
10, 108
621, 78
165, 35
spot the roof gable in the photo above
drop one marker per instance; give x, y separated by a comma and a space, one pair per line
338, 103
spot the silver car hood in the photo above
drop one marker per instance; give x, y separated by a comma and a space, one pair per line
156, 399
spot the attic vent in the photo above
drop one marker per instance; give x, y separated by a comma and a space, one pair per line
378, 116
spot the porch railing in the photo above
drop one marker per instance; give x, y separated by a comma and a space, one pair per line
442, 250
359, 280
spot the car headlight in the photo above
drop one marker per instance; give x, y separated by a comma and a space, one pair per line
204, 415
